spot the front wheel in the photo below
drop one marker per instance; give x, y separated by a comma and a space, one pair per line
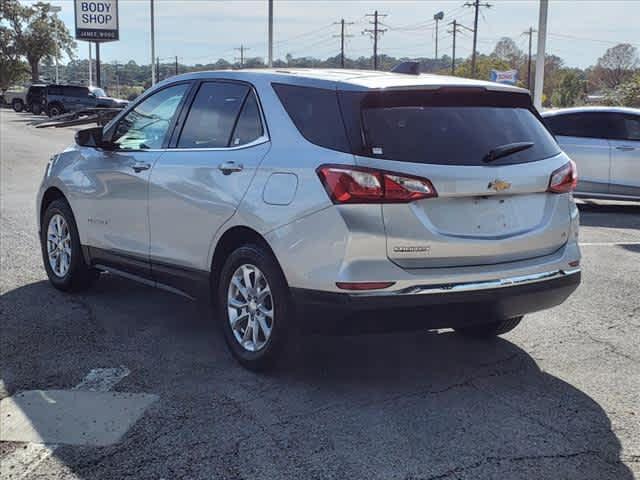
254, 307
492, 329
18, 106
61, 250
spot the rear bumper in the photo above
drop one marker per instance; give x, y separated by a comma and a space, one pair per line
439, 306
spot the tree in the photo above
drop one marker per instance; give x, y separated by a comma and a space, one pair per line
484, 65
37, 33
615, 66
569, 90
12, 68
626, 94
507, 50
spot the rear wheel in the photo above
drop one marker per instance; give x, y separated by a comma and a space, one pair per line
55, 110
61, 249
254, 307
17, 105
492, 329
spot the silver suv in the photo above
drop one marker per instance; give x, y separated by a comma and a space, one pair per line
321, 198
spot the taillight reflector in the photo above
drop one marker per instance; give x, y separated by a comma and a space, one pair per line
347, 184
564, 179
363, 285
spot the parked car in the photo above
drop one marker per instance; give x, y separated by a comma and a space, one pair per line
71, 98
16, 98
605, 144
316, 197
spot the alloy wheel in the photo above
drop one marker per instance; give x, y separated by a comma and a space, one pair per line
250, 308
59, 245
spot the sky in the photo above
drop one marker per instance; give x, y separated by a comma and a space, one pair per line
201, 31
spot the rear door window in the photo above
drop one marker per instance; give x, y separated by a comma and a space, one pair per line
213, 115
249, 125
631, 127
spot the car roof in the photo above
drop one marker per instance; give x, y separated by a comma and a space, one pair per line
602, 109
346, 79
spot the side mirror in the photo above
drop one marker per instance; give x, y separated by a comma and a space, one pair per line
92, 95
92, 137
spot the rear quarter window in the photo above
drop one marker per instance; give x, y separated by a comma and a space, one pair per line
316, 114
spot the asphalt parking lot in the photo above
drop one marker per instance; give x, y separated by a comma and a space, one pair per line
557, 398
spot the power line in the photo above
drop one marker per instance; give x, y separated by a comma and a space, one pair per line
475, 4
375, 33
342, 36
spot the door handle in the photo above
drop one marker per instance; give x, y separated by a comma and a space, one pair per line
228, 168
140, 166
625, 148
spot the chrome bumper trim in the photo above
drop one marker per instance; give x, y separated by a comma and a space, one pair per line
473, 286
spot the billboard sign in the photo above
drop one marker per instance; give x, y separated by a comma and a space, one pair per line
510, 76
97, 20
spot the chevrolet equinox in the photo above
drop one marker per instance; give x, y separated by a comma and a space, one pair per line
321, 195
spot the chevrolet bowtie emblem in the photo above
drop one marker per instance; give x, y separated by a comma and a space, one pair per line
499, 185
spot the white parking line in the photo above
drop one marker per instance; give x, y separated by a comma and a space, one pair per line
22, 462
608, 244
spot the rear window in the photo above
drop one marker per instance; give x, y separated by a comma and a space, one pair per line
453, 127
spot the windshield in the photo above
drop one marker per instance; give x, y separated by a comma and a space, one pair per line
444, 129
98, 92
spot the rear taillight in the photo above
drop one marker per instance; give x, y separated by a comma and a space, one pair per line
564, 179
346, 184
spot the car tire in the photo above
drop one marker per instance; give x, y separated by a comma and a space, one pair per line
253, 268
492, 329
65, 264
55, 110
17, 105
36, 108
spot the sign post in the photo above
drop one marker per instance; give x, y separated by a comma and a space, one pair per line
97, 21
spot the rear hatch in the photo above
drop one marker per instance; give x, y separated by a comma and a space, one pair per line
488, 156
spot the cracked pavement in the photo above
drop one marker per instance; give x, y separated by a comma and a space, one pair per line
556, 398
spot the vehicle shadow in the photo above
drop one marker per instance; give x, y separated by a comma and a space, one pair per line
403, 405
623, 215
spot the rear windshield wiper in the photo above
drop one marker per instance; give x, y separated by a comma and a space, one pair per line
506, 150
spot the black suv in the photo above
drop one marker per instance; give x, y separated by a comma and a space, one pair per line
36, 99
71, 98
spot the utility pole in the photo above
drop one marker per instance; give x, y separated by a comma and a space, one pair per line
90, 66
530, 33
117, 80
437, 17
270, 64
98, 77
157, 69
177, 65
342, 36
242, 49
153, 46
540, 54
455, 25
375, 33
475, 4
